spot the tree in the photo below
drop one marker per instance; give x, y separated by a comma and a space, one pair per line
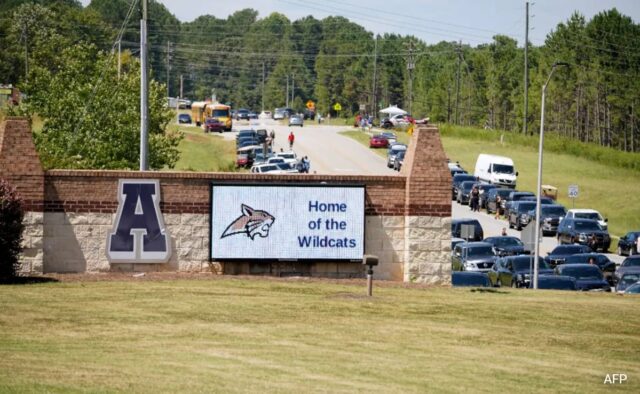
11, 227
91, 118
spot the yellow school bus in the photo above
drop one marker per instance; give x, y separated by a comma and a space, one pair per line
197, 112
220, 111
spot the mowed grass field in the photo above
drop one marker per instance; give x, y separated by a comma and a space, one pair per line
207, 152
265, 335
611, 190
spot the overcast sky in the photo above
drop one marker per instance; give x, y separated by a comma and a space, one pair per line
472, 21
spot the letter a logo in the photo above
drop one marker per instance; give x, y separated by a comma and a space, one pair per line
139, 234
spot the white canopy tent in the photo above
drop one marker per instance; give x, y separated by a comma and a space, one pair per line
393, 110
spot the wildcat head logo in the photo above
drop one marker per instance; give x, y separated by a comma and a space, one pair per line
252, 222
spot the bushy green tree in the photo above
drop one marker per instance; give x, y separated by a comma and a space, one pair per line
11, 215
91, 117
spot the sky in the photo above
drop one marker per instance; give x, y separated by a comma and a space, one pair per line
471, 21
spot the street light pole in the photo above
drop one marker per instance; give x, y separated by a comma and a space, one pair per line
537, 238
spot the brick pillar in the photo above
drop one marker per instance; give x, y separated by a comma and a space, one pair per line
20, 166
427, 209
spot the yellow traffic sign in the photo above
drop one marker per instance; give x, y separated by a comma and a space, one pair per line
311, 104
337, 107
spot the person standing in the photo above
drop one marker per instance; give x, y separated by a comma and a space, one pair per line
272, 135
475, 197
498, 206
292, 139
307, 164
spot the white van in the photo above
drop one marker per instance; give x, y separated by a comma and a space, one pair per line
497, 170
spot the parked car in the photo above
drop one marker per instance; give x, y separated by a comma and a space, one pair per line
242, 114
629, 244
543, 200
588, 277
296, 120
518, 214
630, 265
243, 160
454, 242
253, 115
469, 279
491, 196
399, 120
550, 216
484, 188
457, 180
498, 170
456, 171
633, 289
378, 141
266, 169
393, 151
464, 192
560, 253
244, 142
506, 245
397, 163
385, 123
607, 266
478, 233
279, 113
184, 118
472, 256
213, 124
289, 157
556, 282
588, 214
582, 231
512, 198
246, 133
627, 280
391, 137
516, 271
287, 167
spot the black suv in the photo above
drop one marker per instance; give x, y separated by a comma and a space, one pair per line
584, 232
464, 192
478, 233
515, 271
519, 212
550, 217
513, 197
457, 180
491, 196
628, 245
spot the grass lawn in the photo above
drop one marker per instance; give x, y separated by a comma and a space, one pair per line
204, 152
611, 190
255, 335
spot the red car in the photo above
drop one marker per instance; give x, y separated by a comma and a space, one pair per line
213, 124
378, 141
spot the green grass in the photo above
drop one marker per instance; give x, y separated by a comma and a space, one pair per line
612, 189
239, 335
204, 152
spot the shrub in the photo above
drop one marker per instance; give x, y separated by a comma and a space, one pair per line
11, 215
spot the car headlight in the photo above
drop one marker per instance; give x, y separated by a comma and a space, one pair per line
582, 237
525, 217
469, 265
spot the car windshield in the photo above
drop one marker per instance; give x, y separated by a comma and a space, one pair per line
400, 155
591, 272
276, 160
284, 166
220, 112
587, 226
555, 211
587, 215
503, 169
463, 177
466, 186
503, 193
630, 279
525, 207
287, 155
631, 263
507, 241
580, 259
479, 251
523, 264
268, 168
567, 249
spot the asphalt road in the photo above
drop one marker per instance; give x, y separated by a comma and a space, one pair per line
332, 153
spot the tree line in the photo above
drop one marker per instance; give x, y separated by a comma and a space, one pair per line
263, 63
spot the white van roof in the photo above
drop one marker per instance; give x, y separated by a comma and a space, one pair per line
495, 159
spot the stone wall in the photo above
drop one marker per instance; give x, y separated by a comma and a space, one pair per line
70, 213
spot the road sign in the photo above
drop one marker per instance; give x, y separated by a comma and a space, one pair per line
311, 104
337, 107
573, 191
467, 231
363, 107
528, 236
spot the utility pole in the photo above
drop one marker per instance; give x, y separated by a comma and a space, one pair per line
375, 65
119, 58
287, 95
526, 71
458, 81
410, 66
25, 35
144, 88
168, 67
293, 87
263, 72
181, 85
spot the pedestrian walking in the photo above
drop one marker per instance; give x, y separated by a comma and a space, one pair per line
292, 139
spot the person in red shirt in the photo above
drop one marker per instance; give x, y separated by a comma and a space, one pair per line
292, 138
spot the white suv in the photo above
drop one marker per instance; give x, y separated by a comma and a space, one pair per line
588, 214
